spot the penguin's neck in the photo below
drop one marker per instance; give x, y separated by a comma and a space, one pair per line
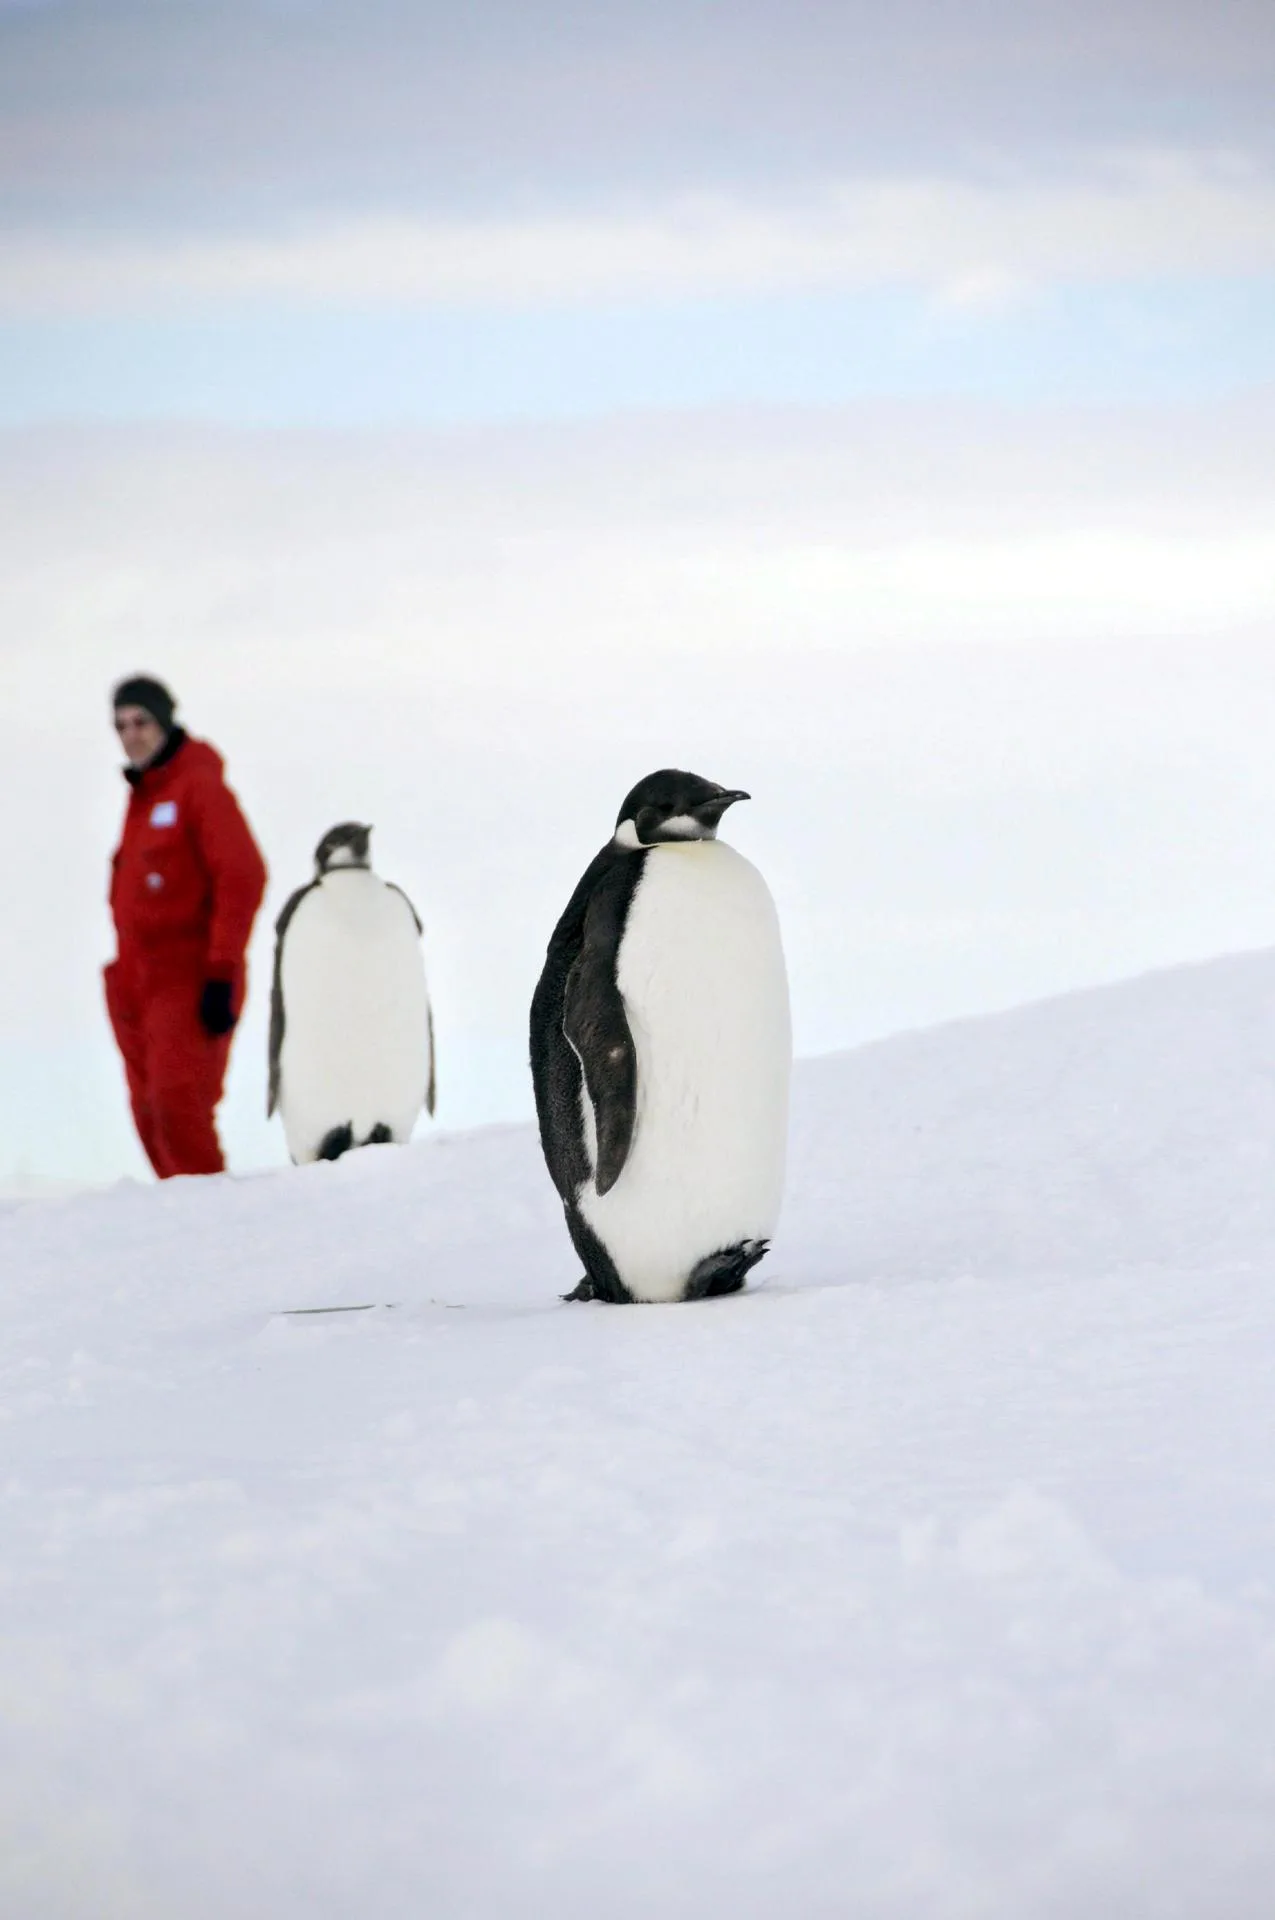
697, 849
626, 837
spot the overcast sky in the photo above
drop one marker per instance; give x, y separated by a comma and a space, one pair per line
469, 409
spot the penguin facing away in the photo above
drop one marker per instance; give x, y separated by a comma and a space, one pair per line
351, 1030
661, 1050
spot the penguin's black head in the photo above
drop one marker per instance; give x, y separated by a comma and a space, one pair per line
670, 806
343, 846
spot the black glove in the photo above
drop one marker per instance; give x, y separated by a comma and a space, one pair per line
216, 1009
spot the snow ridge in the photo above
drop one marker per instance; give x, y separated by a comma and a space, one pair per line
935, 1576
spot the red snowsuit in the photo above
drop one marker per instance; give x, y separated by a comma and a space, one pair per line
186, 883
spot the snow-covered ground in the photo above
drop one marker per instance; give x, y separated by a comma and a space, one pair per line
933, 1579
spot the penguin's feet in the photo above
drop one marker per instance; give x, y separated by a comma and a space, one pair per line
335, 1142
725, 1270
583, 1290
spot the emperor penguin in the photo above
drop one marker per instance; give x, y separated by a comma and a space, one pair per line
661, 1050
351, 1029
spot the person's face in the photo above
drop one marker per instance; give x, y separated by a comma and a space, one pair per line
141, 735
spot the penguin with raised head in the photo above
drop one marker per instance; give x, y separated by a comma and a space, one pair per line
661, 1050
351, 1031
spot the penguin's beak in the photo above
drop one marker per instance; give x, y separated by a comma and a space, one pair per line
709, 812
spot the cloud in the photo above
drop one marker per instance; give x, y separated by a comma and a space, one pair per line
178, 114
1133, 216
490, 559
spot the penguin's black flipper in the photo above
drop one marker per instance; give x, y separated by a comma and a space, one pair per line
555, 1062
420, 924
431, 1089
597, 1026
277, 1019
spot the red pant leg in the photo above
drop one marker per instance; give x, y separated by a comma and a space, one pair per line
124, 1005
185, 1073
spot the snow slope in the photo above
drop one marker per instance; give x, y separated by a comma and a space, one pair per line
932, 1580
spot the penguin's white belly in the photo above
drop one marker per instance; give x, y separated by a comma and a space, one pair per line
356, 1014
701, 972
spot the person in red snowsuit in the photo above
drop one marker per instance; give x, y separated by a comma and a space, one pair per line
186, 881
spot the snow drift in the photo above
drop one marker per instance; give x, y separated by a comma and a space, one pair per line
934, 1576
1128, 1125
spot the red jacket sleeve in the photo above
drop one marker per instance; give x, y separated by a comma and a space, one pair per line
235, 869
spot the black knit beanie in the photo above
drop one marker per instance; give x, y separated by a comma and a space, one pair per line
152, 695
